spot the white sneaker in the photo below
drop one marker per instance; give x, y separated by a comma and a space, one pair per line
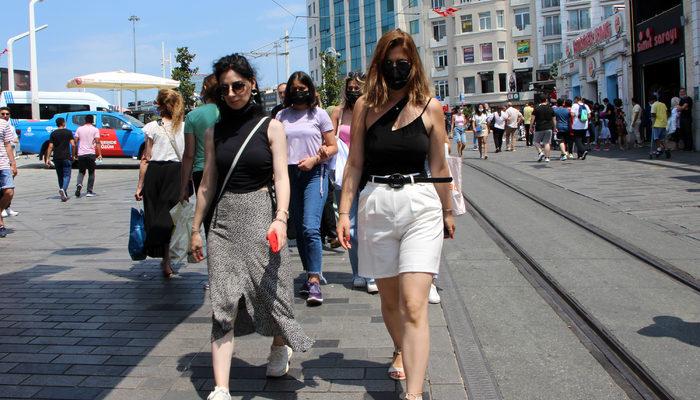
278, 361
63, 195
433, 296
4, 214
219, 393
90, 194
358, 282
540, 157
11, 213
372, 286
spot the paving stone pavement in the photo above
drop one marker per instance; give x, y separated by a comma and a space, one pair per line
80, 320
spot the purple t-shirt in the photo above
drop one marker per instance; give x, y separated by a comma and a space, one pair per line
304, 131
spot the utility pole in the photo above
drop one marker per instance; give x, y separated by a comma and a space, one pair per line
11, 57
164, 61
286, 52
33, 69
134, 19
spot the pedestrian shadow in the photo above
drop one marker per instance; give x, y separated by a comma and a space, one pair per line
319, 375
673, 327
80, 251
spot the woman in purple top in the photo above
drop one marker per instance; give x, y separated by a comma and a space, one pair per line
311, 143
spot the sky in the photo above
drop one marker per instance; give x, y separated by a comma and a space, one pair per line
88, 36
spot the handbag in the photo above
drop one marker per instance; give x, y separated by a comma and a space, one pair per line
341, 157
137, 236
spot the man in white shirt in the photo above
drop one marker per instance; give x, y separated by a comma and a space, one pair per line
636, 122
581, 113
5, 114
513, 120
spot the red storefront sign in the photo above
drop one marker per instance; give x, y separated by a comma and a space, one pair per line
648, 39
606, 30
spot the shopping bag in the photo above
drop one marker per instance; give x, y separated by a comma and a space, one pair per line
341, 158
455, 166
137, 236
182, 215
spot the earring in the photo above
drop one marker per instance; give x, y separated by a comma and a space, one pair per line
254, 92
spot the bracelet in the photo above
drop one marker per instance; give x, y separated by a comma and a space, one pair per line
283, 211
446, 210
343, 213
280, 220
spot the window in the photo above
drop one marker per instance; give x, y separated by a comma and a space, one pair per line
550, 3
442, 90
80, 119
486, 52
467, 24
500, 19
502, 82
439, 29
608, 11
437, 3
413, 3
485, 20
579, 19
47, 111
486, 82
311, 54
469, 85
311, 31
111, 122
552, 26
414, 26
440, 58
522, 18
468, 54
501, 50
552, 52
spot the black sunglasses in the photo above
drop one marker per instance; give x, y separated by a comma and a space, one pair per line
402, 65
238, 87
356, 75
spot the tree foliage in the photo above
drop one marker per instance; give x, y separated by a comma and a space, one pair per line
183, 73
332, 85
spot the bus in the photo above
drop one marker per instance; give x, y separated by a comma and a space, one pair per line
51, 103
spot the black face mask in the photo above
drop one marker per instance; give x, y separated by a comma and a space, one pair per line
352, 96
396, 75
300, 97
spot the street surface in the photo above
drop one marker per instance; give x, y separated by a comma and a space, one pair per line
80, 320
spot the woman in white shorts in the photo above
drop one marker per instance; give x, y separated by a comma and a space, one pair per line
403, 215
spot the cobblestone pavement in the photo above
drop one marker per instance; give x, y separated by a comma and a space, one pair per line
80, 320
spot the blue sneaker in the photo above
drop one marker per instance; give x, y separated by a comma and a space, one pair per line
3, 232
315, 296
304, 291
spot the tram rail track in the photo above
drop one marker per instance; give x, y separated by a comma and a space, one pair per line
630, 373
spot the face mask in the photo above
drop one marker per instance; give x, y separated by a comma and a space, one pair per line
396, 74
481, 109
353, 96
300, 97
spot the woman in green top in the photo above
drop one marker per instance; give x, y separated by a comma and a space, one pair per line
197, 122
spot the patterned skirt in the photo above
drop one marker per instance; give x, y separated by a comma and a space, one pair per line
251, 287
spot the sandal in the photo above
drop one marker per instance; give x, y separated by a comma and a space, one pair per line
396, 373
413, 396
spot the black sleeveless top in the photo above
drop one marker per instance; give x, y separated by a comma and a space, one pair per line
402, 151
254, 168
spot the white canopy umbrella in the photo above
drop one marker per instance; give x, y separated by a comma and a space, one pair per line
121, 80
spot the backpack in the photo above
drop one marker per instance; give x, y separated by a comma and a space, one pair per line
582, 113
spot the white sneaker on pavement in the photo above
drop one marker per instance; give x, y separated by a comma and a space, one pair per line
11, 213
372, 286
219, 393
433, 296
278, 361
4, 214
358, 282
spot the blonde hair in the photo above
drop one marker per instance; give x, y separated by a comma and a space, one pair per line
675, 101
171, 105
376, 90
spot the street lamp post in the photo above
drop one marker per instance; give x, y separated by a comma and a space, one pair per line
33, 71
134, 19
11, 57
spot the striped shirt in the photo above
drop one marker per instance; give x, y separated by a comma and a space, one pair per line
6, 136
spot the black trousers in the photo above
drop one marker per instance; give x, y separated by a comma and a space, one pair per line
579, 134
328, 221
498, 138
161, 191
687, 133
528, 135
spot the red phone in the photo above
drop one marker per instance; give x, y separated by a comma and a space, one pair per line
274, 244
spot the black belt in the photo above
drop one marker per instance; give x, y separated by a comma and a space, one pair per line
397, 181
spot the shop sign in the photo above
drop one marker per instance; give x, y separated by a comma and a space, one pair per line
592, 67
523, 48
648, 39
612, 26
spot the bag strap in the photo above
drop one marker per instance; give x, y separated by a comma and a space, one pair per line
238, 156
340, 122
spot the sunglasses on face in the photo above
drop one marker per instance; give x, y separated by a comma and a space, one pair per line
238, 87
402, 65
356, 75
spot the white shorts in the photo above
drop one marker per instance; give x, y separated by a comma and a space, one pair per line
399, 230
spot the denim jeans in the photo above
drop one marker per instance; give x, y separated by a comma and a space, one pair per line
63, 172
309, 190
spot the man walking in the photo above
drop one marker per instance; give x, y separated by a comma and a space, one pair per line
542, 124
686, 125
5, 114
513, 120
87, 149
60, 143
527, 116
636, 122
659, 120
8, 170
581, 113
